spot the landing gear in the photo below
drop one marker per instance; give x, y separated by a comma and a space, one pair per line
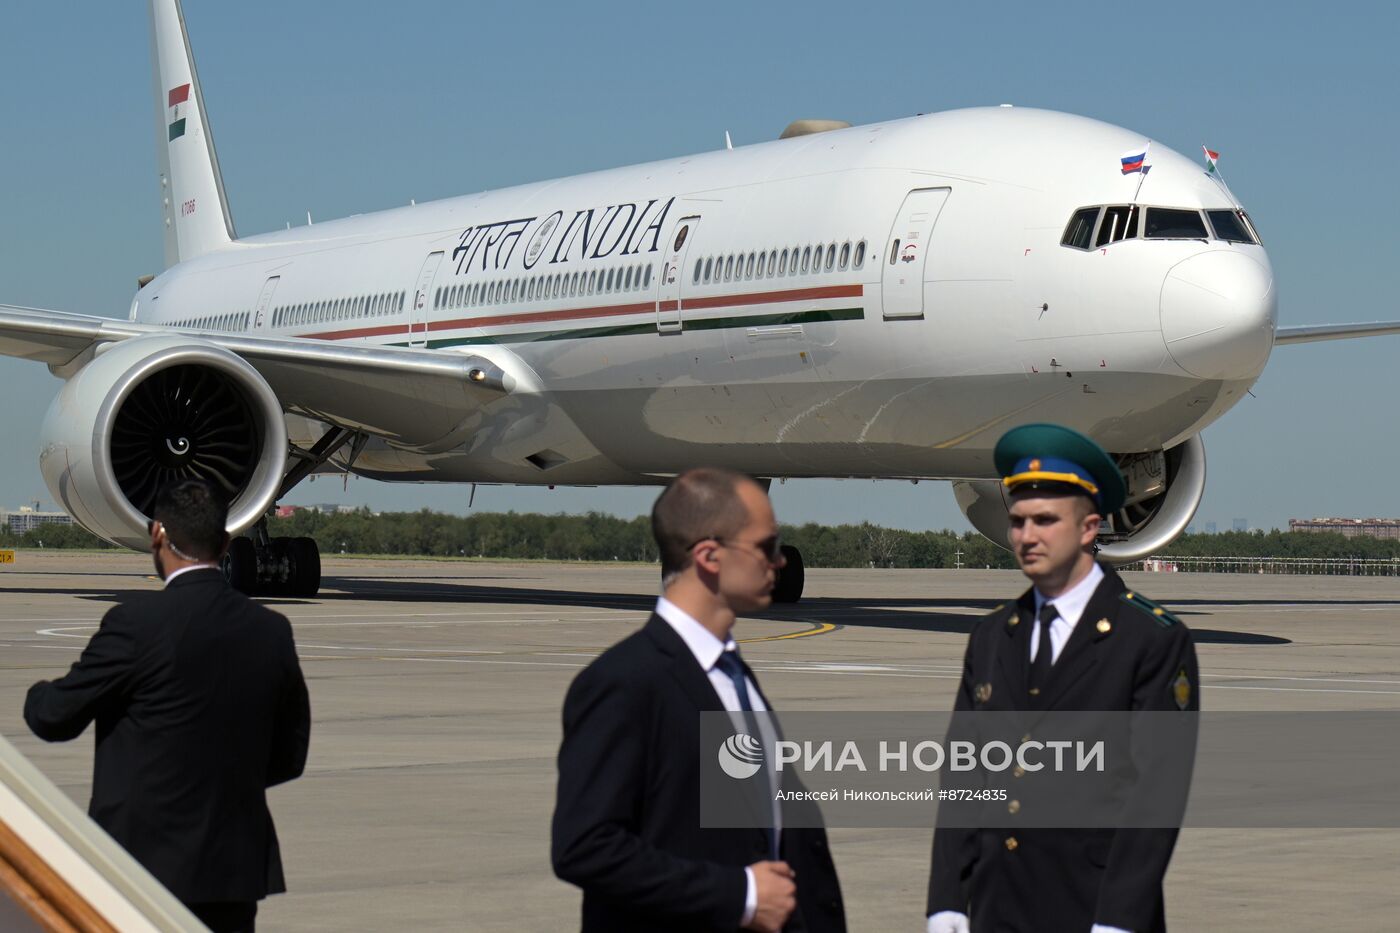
264, 566
261, 565
788, 589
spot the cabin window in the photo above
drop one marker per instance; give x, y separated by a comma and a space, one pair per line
748, 270
831, 257
709, 268
647, 273
859, 259
1229, 226
806, 259
1118, 223
729, 269
845, 255
1165, 223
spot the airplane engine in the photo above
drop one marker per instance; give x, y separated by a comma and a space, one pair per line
154, 410
1164, 490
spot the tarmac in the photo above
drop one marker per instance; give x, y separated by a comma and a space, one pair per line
436, 690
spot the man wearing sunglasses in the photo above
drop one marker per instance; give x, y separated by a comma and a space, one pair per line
200, 707
627, 818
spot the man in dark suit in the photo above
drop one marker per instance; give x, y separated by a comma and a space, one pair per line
627, 818
1077, 640
200, 707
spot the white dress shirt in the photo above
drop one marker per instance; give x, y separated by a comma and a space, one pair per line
170, 577
707, 649
1070, 605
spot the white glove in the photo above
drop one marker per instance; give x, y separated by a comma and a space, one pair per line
1102, 928
948, 921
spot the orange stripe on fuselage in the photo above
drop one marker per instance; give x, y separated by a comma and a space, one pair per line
605, 311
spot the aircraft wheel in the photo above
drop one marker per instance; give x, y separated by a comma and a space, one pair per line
305, 573
791, 578
240, 566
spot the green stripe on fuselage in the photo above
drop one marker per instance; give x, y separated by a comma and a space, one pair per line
821, 316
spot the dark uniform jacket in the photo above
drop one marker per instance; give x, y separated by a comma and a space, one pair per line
200, 706
1067, 879
627, 817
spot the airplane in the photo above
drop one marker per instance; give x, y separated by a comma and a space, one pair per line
845, 301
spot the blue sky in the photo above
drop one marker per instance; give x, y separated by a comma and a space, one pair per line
354, 106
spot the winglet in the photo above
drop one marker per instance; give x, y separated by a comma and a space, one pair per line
194, 207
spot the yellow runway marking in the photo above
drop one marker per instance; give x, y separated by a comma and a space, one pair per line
818, 628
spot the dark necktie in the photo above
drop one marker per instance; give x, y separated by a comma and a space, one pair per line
734, 667
1044, 653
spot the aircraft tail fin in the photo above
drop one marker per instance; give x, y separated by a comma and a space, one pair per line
194, 207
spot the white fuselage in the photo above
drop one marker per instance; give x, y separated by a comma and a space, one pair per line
964, 316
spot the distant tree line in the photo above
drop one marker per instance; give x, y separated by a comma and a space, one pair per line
1292, 544
595, 537
52, 535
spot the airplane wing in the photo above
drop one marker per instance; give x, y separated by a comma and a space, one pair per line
411, 396
1312, 334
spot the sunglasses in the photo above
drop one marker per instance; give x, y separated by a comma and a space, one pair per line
771, 547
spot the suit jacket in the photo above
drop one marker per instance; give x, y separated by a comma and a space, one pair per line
627, 817
200, 706
1067, 879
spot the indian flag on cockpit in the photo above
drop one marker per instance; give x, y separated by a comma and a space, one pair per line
178, 96
1212, 160
1134, 160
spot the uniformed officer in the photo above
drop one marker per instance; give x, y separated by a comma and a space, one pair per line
1037, 654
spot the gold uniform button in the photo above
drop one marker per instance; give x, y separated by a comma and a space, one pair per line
1014, 806
1018, 771
1011, 843
1104, 626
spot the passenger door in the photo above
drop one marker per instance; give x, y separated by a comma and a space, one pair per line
902, 286
669, 298
422, 298
264, 301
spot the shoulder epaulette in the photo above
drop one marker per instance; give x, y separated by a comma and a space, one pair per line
1140, 602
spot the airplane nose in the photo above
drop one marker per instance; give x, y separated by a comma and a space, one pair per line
1218, 313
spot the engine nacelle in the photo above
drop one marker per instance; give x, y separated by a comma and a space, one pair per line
155, 410
1164, 491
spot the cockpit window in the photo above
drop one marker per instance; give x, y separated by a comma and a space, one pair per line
1230, 225
1119, 223
1166, 223
1080, 232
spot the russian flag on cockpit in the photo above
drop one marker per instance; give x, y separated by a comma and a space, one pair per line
1133, 160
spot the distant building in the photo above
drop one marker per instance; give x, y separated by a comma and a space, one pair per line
27, 519
1348, 527
331, 508
1210, 528
1240, 524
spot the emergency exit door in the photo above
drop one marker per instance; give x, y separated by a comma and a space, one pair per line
906, 260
